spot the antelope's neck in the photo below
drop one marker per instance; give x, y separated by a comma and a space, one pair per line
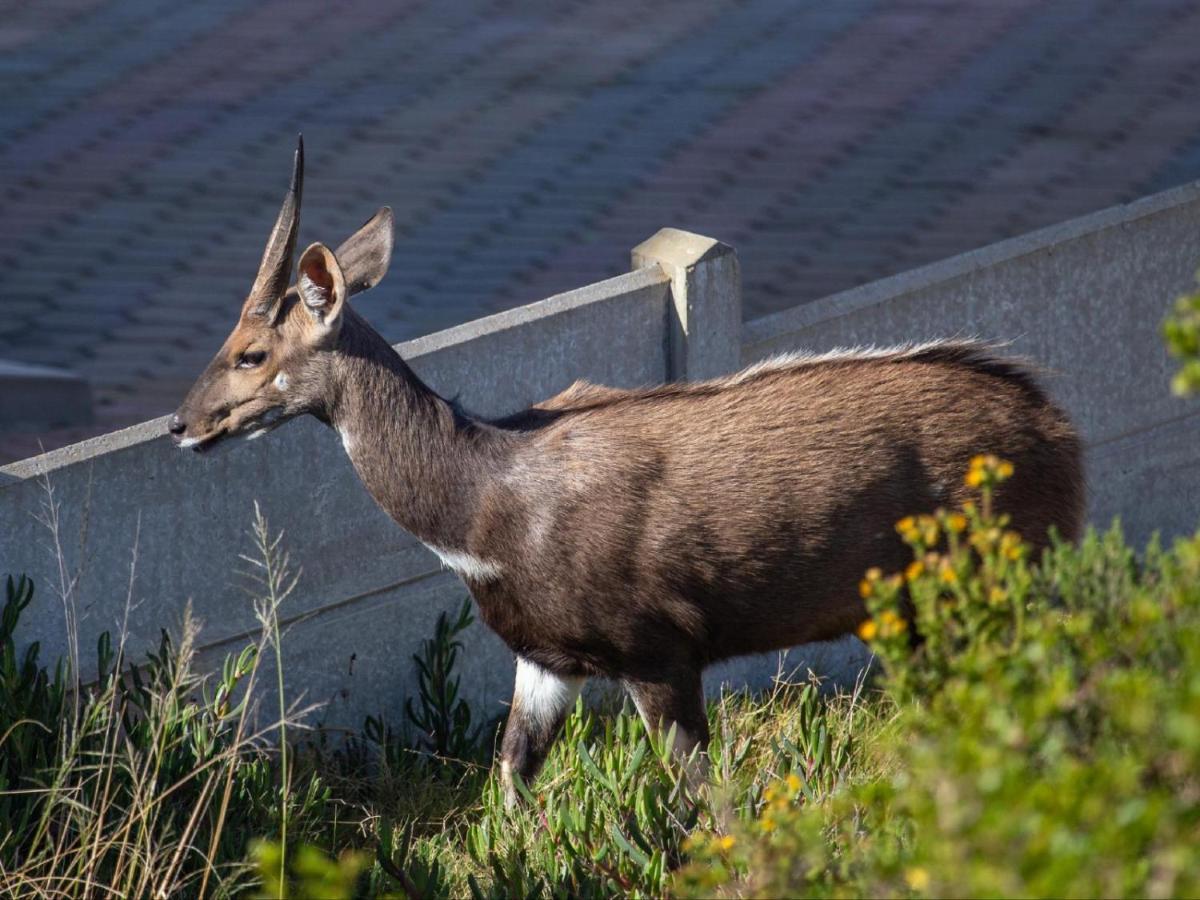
425, 464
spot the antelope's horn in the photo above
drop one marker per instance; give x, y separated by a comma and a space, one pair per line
275, 270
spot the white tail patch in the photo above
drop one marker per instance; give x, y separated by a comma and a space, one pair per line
541, 696
467, 565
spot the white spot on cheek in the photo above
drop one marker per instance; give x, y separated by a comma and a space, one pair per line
541, 696
281, 382
466, 565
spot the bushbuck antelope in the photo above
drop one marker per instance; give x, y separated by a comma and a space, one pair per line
637, 534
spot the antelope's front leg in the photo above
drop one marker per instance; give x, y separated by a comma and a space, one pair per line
541, 701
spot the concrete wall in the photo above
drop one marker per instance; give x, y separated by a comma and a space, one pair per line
1086, 299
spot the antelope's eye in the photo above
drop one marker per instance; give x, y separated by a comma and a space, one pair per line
251, 359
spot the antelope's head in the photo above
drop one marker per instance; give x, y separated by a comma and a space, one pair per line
270, 367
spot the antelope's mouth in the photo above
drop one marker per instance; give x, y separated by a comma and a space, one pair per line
251, 428
203, 443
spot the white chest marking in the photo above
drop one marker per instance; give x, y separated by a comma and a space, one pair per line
540, 696
466, 565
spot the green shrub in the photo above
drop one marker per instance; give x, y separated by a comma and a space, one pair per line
1182, 332
31, 707
1047, 740
308, 875
440, 715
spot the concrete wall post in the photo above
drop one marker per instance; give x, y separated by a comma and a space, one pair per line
705, 328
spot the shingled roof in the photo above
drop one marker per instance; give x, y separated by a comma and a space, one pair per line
144, 145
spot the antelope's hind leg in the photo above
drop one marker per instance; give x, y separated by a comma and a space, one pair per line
679, 701
541, 701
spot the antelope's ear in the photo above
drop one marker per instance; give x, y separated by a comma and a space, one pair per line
366, 253
322, 289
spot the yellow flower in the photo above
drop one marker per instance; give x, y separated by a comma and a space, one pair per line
1010, 545
985, 539
926, 530
768, 823
727, 842
987, 469
914, 570
956, 522
867, 630
917, 878
907, 529
892, 623
997, 595
948, 575
793, 782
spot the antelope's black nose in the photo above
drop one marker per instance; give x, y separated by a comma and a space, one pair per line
176, 426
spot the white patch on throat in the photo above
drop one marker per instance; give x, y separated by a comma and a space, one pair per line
281, 382
268, 421
466, 565
542, 697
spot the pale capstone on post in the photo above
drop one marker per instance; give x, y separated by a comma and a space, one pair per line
705, 334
